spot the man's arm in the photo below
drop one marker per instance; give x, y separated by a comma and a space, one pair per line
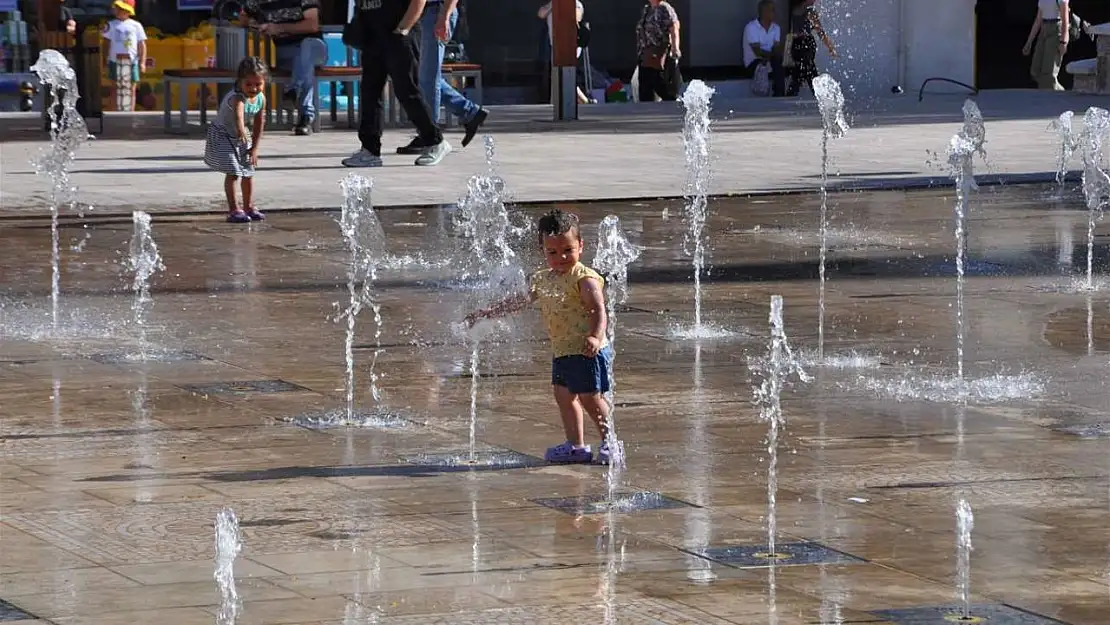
412, 15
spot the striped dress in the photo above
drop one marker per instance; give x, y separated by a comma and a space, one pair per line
223, 151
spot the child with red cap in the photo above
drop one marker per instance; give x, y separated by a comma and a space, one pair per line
126, 53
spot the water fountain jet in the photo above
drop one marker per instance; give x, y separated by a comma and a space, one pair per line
774, 372
1069, 141
696, 141
961, 154
830, 101
143, 262
365, 243
67, 133
1096, 182
229, 542
965, 522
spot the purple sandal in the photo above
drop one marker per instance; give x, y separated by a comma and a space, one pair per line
238, 217
565, 453
255, 215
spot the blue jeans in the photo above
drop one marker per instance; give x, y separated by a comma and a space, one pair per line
301, 60
582, 375
432, 85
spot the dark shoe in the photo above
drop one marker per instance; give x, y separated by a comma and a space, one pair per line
473, 125
289, 100
303, 130
255, 215
415, 147
238, 217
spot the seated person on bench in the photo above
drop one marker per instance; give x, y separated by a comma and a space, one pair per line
763, 44
294, 26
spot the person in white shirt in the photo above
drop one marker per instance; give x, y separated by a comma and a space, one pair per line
126, 51
1050, 32
763, 44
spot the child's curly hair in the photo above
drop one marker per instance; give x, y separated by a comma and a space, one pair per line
252, 66
555, 223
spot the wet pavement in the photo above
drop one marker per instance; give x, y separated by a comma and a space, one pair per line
113, 470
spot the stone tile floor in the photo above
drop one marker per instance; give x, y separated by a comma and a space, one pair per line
113, 471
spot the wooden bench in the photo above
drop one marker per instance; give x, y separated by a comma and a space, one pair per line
207, 76
457, 73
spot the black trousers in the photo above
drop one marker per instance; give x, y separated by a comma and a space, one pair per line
778, 74
804, 52
388, 56
664, 83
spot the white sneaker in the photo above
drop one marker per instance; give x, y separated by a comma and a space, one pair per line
362, 158
434, 154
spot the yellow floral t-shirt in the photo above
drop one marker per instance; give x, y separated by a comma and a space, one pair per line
560, 299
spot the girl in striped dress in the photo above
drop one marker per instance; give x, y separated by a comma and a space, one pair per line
230, 149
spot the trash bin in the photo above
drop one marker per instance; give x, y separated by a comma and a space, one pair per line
231, 47
83, 54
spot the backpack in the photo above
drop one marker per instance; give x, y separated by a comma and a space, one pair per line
1075, 25
462, 26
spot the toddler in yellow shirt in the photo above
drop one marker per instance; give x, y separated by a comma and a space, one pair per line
571, 298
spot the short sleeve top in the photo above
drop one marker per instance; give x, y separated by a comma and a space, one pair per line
1050, 9
653, 32
226, 116
559, 297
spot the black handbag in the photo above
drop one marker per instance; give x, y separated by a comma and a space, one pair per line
584, 33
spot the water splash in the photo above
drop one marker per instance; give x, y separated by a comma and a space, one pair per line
143, 262
482, 220
229, 542
985, 390
830, 101
774, 373
365, 243
489, 145
1096, 182
1069, 141
67, 133
696, 139
965, 522
962, 149
475, 374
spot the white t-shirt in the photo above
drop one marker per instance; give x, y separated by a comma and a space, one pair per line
581, 8
755, 34
124, 38
1050, 9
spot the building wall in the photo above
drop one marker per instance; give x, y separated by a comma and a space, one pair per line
937, 37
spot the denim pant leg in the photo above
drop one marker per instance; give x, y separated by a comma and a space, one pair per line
302, 59
431, 59
455, 102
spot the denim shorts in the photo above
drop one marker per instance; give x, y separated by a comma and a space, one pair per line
581, 374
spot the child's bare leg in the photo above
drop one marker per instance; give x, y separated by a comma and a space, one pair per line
595, 405
229, 191
248, 192
571, 412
